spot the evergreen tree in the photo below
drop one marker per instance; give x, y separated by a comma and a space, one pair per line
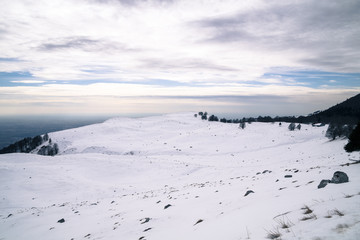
213, 118
354, 140
45, 137
223, 120
291, 127
338, 130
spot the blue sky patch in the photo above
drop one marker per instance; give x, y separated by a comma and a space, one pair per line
316, 79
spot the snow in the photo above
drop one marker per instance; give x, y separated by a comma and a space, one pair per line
113, 180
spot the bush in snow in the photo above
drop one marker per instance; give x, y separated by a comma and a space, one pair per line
354, 140
242, 125
213, 118
291, 127
24, 146
49, 150
338, 130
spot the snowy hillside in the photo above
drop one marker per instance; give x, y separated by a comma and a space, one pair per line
178, 177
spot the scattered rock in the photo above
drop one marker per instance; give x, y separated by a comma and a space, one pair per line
339, 177
61, 220
9, 215
167, 206
248, 192
323, 183
147, 229
199, 221
142, 238
288, 176
88, 235
145, 220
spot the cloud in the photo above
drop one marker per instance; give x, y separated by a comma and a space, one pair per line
134, 2
191, 50
83, 43
28, 81
72, 42
327, 29
100, 98
182, 63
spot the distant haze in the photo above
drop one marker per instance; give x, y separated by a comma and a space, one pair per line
15, 128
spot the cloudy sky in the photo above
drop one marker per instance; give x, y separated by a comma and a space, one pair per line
157, 56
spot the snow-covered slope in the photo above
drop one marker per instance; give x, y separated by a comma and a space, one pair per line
177, 177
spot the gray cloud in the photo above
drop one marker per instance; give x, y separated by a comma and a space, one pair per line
83, 43
183, 63
324, 28
131, 3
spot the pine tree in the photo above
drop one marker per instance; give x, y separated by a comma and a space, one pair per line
354, 140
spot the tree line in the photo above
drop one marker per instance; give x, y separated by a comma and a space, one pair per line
29, 144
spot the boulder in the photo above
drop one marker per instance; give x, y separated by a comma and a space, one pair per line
339, 177
248, 192
323, 183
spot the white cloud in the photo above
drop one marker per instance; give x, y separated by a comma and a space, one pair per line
227, 46
154, 39
28, 81
117, 98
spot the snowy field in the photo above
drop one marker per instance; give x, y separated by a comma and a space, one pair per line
180, 178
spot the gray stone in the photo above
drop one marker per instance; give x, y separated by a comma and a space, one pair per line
248, 192
323, 183
339, 177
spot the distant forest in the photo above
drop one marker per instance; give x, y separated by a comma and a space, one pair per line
28, 144
342, 118
347, 112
